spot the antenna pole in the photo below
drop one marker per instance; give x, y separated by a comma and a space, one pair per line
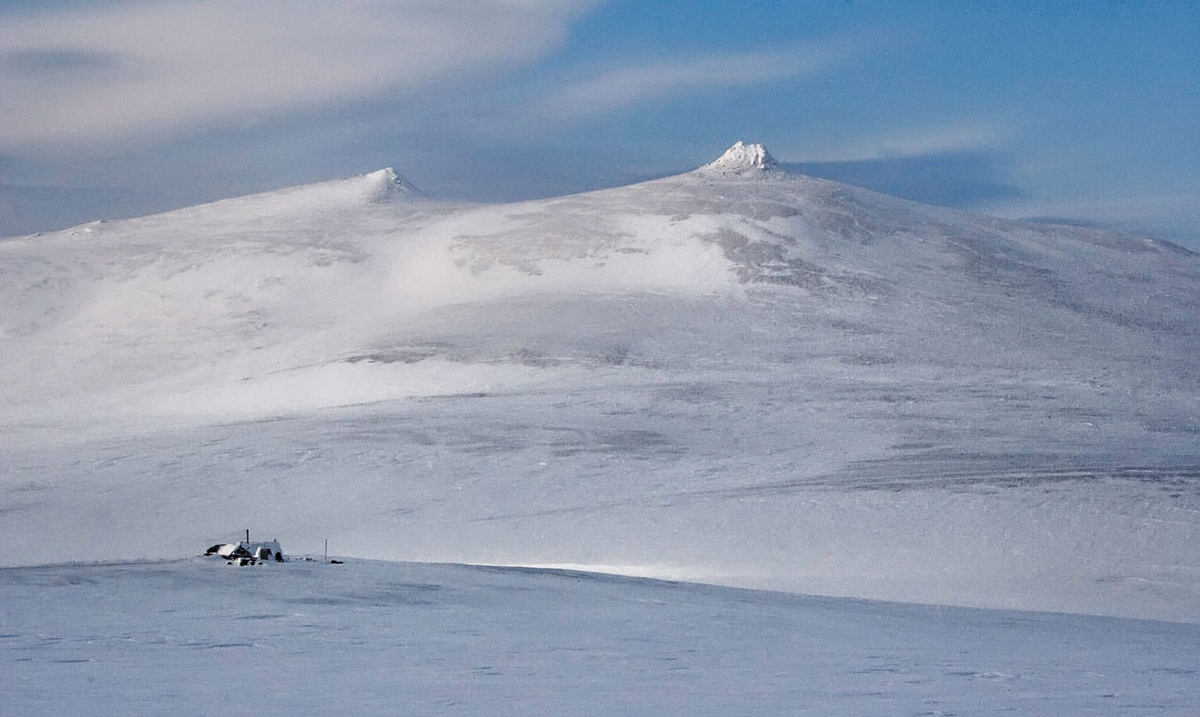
247, 535
327, 549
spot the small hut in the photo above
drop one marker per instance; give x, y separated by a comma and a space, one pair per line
248, 552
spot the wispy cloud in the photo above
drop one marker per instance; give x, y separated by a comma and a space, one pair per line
137, 68
955, 164
923, 141
622, 88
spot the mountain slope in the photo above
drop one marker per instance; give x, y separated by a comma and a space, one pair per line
733, 374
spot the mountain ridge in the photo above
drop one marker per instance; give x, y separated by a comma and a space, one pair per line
864, 393
742, 161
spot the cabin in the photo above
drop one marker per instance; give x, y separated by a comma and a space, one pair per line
248, 552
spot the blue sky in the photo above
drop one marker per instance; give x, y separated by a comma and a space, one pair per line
1087, 111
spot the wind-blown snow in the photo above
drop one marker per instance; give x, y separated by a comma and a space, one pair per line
791, 383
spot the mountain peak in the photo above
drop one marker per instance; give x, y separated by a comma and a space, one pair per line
742, 159
387, 183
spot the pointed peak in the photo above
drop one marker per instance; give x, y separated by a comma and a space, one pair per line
387, 183
743, 159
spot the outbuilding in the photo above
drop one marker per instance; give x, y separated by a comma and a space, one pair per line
248, 551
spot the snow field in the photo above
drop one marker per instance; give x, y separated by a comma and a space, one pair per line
388, 638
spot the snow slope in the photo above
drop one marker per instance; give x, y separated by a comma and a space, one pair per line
734, 375
364, 638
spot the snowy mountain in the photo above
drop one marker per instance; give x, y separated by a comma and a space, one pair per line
734, 375
742, 160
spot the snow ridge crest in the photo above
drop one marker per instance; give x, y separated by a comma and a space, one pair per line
743, 159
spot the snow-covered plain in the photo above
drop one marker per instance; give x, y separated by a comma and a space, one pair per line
733, 376
194, 637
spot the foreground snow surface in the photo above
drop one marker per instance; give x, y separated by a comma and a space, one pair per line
197, 637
